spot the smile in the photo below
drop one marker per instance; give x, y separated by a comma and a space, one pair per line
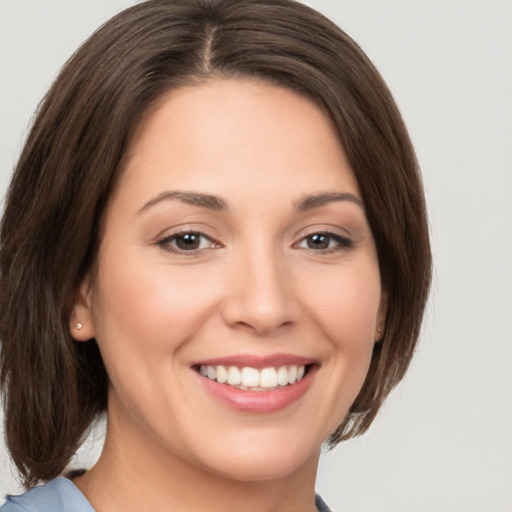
254, 384
253, 379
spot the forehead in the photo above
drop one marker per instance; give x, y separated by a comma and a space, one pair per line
226, 136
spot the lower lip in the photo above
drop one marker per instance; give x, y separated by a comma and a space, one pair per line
259, 401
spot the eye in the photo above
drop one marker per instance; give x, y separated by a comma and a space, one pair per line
188, 241
325, 242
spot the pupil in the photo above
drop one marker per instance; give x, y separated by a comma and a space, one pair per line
318, 241
188, 241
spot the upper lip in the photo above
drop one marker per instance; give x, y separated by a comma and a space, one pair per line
257, 361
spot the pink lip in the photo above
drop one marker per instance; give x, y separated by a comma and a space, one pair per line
257, 362
258, 401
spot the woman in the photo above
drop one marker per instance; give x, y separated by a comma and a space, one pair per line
216, 233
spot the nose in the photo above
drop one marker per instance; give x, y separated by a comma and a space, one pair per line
260, 294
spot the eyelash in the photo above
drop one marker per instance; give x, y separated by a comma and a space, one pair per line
341, 243
166, 242
335, 242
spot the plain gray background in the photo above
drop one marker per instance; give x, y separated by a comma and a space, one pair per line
443, 441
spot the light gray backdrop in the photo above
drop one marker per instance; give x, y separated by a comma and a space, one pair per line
443, 441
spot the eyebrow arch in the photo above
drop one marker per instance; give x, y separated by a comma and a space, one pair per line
316, 200
194, 198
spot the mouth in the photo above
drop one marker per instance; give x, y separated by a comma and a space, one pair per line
248, 378
252, 384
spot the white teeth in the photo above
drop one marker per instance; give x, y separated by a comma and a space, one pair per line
222, 374
282, 376
268, 378
211, 372
292, 374
247, 377
234, 377
250, 377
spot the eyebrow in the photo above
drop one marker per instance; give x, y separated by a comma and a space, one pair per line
194, 198
316, 200
215, 203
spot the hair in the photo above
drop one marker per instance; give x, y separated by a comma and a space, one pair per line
53, 386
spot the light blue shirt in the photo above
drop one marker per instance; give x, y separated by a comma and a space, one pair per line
61, 495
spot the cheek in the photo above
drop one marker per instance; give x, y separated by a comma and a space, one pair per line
144, 312
346, 305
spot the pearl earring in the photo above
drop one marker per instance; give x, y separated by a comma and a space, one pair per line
78, 326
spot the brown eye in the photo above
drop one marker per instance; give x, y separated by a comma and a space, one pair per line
189, 241
325, 242
318, 241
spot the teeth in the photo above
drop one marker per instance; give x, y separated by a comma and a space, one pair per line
268, 378
247, 377
292, 374
282, 376
222, 374
250, 377
234, 376
211, 372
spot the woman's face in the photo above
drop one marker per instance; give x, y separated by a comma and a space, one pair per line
235, 257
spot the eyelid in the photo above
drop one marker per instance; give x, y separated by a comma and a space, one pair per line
183, 228
344, 241
163, 240
333, 230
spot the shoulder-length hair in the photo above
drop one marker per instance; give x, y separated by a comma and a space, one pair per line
55, 387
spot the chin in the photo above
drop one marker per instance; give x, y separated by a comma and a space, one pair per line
263, 460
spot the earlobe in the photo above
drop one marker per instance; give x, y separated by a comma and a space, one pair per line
81, 326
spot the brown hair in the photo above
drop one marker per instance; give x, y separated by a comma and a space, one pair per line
53, 386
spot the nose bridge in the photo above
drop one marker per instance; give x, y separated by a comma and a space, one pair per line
260, 295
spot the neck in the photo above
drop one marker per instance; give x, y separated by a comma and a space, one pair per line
133, 474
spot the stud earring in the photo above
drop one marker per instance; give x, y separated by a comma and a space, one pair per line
78, 326
379, 330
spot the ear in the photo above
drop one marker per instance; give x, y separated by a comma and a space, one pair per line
81, 325
382, 312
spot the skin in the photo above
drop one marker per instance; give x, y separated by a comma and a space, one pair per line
257, 284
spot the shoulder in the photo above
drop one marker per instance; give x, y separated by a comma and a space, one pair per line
320, 504
59, 495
